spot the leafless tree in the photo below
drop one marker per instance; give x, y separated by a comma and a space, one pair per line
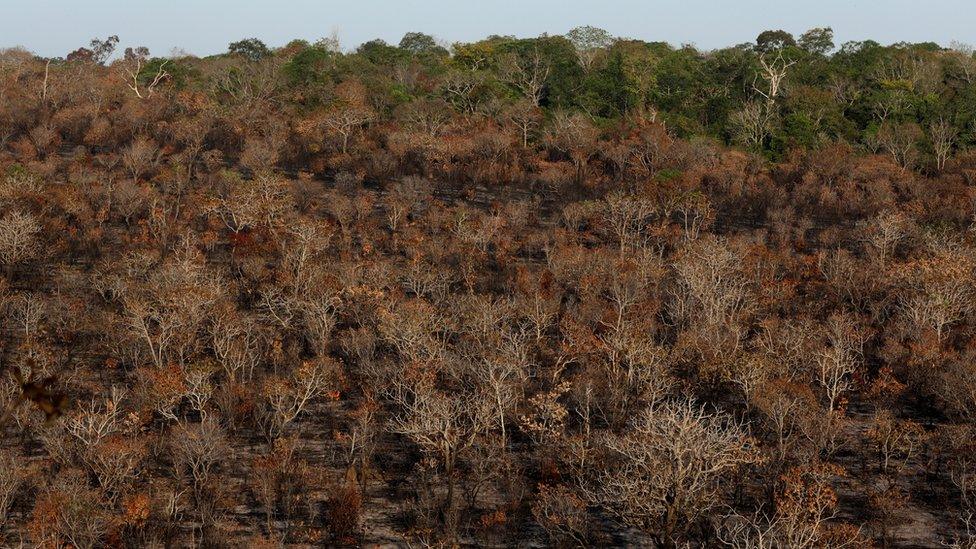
779, 530
753, 123
773, 73
130, 199
133, 63
628, 216
412, 328
199, 386
78, 516
895, 439
97, 421
166, 310
286, 398
502, 376
14, 476
26, 311
670, 467
943, 137
526, 116
198, 450
939, 294
962, 55
460, 87
711, 295
141, 156
245, 204
236, 342
403, 198
572, 134
562, 514
589, 43
884, 232
527, 73
837, 362
441, 424
782, 405
115, 462
900, 140
18, 238
345, 120
430, 116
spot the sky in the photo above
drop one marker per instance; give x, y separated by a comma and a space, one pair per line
203, 27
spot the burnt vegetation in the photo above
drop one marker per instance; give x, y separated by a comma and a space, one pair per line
561, 291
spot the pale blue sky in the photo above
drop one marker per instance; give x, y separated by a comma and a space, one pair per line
55, 27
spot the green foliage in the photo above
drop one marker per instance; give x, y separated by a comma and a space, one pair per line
251, 49
587, 39
609, 92
180, 73
420, 44
478, 55
17, 171
827, 93
378, 52
667, 175
773, 40
817, 41
309, 66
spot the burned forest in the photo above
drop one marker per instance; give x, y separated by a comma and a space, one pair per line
564, 291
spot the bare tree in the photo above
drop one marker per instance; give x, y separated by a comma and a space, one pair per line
711, 295
133, 63
98, 420
792, 525
14, 475
412, 328
628, 217
901, 142
26, 311
527, 72
782, 405
460, 87
752, 124
526, 116
18, 239
965, 61
286, 398
842, 356
943, 137
572, 134
198, 450
503, 374
884, 232
236, 343
401, 200
939, 294
345, 120
773, 73
165, 308
77, 514
141, 156
245, 204
115, 462
430, 116
589, 43
895, 439
440, 423
671, 467
198, 379
562, 514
